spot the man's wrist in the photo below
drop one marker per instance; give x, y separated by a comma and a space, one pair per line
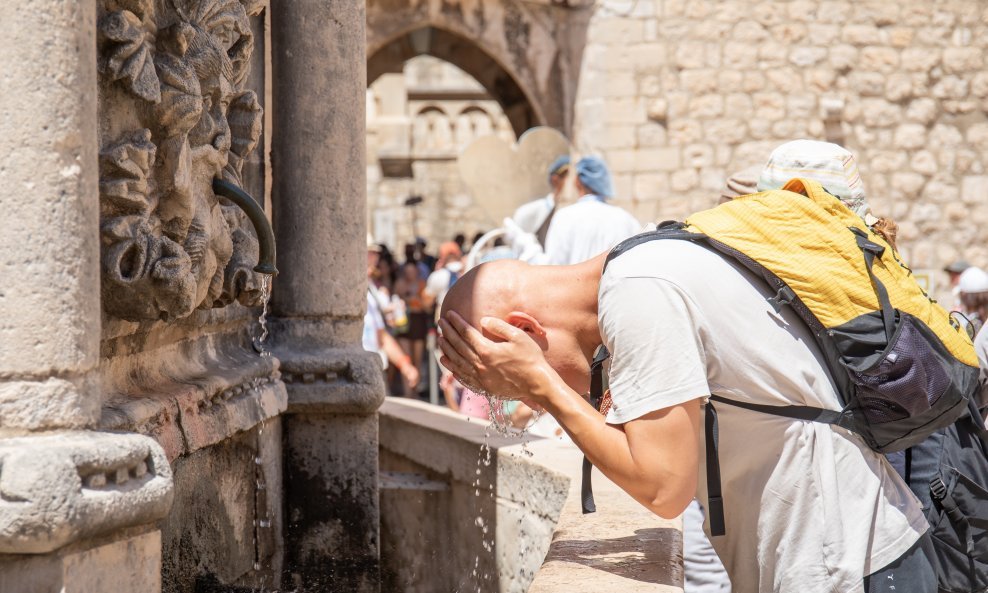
552, 393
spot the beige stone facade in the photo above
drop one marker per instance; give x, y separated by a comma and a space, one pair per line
418, 122
679, 94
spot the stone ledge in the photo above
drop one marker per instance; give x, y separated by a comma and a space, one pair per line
332, 380
621, 548
190, 418
60, 487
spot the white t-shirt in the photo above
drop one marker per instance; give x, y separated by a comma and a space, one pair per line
808, 507
586, 229
373, 322
530, 215
440, 281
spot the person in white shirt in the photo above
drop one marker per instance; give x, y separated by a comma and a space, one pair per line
534, 217
808, 506
375, 336
449, 267
590, 226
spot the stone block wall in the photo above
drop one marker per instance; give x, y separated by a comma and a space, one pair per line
679, 94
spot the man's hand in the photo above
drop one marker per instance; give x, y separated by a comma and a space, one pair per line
653, 458
511, 366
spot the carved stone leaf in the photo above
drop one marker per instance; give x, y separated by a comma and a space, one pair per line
124, 169
181, 96
127, 54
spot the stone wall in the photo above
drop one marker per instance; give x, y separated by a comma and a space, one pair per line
678, 94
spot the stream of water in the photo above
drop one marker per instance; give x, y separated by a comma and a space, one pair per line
262, 337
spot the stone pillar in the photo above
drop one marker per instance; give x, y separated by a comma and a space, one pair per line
319, 213
49, 247
71, 499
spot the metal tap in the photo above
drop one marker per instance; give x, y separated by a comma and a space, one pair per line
265, 235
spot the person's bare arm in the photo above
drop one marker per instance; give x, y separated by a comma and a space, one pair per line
398, 357
653, 458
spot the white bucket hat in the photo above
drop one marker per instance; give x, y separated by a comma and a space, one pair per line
830, 165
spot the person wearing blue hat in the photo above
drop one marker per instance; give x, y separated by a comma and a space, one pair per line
590, 226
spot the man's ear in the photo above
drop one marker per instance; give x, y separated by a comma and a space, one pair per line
526, 323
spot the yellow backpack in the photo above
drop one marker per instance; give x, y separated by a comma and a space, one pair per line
904, 368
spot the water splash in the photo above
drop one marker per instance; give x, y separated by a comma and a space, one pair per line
259, 340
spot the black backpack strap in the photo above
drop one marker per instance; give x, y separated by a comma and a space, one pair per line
543, 231
808, 413
666, 230
596, 396
870, 250
715, 500
942, 495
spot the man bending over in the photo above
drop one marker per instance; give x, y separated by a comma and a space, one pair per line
808, 507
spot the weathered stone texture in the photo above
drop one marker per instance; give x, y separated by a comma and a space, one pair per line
226, 523
49, 298
901, 85
130, 563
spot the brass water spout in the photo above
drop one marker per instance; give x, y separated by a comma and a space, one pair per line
265, 235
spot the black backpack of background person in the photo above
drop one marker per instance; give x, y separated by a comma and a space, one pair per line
948, 472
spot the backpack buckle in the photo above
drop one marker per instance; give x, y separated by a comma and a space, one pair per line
785, 296
938, 489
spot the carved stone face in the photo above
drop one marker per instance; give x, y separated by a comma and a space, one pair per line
169, 244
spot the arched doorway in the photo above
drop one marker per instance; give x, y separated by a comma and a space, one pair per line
522, 112
419, 120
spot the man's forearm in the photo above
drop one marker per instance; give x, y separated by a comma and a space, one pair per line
656, 479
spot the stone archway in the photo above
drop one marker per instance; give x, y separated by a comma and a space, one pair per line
525, 53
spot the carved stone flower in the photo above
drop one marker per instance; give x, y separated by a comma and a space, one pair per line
127, 54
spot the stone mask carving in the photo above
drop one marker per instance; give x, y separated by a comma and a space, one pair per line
169, 245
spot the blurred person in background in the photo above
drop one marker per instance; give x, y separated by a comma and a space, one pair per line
954, 271
535, 216
414, 255
742, 183
972, 287
375, 334
591, 226
409, 287
449, 267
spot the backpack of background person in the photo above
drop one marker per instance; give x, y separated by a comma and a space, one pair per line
948, 472
903, 367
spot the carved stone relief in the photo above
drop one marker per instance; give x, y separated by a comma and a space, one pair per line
176, 72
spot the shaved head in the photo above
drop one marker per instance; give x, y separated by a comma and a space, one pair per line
488, 290
555, 305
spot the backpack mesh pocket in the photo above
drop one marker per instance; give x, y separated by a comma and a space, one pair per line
908, 379
895, 379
